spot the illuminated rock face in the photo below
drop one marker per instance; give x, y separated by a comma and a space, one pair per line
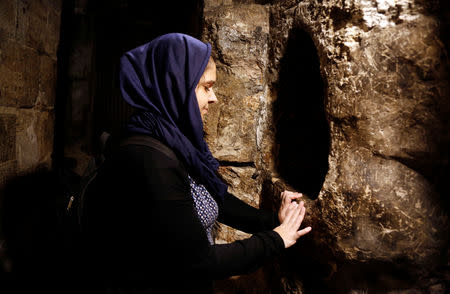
380, 208
239, 39
385, 127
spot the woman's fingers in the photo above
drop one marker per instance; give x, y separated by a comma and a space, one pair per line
301, 215
291, 209
299, 220
289, 229
298, 210
303, 232
288, 196
297, 216
296, 213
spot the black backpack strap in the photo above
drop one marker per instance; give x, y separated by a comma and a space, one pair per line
91, 171
150, 142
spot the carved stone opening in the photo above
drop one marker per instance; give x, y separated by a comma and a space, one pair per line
302, 133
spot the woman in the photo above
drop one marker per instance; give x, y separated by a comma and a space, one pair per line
150, 224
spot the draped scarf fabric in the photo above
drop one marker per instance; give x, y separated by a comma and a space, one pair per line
159, 79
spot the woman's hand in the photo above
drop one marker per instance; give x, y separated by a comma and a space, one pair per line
286, 198
289, 228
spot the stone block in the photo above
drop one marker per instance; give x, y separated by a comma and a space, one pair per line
32, 23
55, 5
395, 110
383, 210
238, 35
27, 140
8, 170
38, 24
50, 38
214, 3
8, 137
19, 74
47, 82
8, 12
34, 138
245, 183
236, 129
45, 130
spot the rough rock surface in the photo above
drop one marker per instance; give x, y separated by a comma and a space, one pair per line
29, 36
381, 210
385, 105
234, 124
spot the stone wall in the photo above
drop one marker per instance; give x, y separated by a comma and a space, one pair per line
29, 34
373, 162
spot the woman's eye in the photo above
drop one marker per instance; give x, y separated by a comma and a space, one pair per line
207, 89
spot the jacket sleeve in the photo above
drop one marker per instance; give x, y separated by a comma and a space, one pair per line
178, 237
185, 240
242, 216
243, 256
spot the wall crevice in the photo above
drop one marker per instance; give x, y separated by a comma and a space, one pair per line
302, 133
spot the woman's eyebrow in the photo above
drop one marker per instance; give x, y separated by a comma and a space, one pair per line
209, 82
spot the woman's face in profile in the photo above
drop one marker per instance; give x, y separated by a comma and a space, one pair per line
204, 90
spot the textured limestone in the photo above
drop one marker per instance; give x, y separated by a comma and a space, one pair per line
384, 71
8, 15
7, 170
32, 18
34, 138
244, 183
29, 36
19, 75
8, 135
47, 86
38, 24
385, 94
233, 125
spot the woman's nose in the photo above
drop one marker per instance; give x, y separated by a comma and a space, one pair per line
212, 98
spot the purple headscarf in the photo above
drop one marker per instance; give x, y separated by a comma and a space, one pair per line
159, 80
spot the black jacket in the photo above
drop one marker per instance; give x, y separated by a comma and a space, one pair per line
143, 232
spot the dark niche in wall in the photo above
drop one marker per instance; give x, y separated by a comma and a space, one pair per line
302, 133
